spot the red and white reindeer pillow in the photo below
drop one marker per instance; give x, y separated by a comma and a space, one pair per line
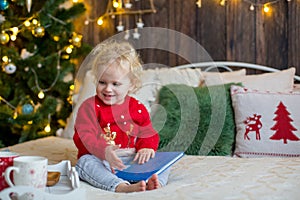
267, 123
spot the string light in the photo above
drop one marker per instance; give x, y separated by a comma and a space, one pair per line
72, 87
7, 103
199, 3
47, 128
11, 106
35, 22
252, 7
100, 21
13, 37
117, 4
69, 49
265, 6
15, 30
124, 8
27, 23
223, 2
5, 59
41, 94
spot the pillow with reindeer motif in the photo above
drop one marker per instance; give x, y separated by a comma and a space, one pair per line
267, 123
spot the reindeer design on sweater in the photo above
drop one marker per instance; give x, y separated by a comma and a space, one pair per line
253, 124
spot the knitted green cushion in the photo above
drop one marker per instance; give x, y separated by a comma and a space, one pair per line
196, 120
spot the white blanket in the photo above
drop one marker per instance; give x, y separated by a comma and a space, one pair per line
194, 177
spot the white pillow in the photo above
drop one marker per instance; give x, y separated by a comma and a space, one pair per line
281, 81
267, 123
274, 81
218, 78
188, 76
165, 76
154, 79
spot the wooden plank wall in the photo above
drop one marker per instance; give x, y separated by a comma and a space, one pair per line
230, 32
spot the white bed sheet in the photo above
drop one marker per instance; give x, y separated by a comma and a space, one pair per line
194, 177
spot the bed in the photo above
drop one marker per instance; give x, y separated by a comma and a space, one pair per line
237, 168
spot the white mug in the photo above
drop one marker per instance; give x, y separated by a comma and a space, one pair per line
28, 171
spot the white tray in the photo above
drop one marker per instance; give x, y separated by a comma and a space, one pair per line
68, 187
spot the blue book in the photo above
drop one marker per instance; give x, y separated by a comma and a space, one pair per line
136, 172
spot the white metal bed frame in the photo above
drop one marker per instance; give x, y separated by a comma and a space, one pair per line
227, 66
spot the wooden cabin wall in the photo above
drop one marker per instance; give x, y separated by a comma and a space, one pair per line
230, 32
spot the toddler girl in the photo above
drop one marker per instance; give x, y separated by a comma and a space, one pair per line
112, 127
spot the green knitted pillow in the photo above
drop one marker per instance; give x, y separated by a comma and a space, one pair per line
197, 120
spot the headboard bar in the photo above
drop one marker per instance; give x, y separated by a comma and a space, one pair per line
227, 64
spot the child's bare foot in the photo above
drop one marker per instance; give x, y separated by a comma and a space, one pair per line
136, 187
153, 183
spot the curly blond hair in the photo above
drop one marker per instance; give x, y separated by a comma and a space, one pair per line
111, 51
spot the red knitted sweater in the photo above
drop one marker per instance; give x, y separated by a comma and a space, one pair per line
130, 120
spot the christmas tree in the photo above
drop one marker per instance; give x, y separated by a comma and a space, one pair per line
283, 126
39, 52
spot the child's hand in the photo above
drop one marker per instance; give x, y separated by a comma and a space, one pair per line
112, 158
143, 155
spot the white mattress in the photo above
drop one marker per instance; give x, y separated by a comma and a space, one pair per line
194, 177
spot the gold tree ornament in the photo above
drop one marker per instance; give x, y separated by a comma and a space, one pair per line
4, 38
56, 38
38, 31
